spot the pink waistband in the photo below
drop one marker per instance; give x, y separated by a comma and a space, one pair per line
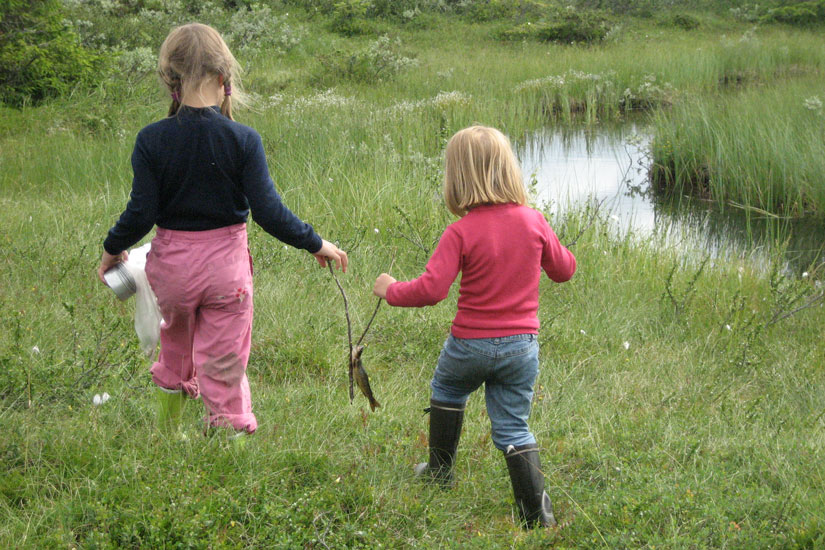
208, 235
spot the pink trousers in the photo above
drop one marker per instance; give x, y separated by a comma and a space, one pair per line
203, 282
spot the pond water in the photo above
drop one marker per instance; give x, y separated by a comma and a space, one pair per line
567, 168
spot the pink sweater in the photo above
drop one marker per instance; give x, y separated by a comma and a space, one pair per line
500, 250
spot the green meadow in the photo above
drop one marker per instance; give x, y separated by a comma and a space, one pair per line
680, 398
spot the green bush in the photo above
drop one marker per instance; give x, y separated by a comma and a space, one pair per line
641, 8
40, 54
381, 60
257, 29
490, 10
804, 14
349, 17
565, 25
684, 21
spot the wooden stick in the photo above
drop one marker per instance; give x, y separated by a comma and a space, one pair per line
349, 330
346, 305
392, 263
369, 323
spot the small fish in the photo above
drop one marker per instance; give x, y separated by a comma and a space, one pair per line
356, 370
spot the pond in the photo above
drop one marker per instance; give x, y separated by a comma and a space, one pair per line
570, 167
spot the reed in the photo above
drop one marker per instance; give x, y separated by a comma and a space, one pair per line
760, 149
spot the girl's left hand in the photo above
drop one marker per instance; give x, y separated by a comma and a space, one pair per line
108, 261
381, 284
330, 252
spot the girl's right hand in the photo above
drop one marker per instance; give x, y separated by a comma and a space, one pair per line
108, 261
330, 252
382, 283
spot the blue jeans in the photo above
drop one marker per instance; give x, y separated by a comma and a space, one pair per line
507, 366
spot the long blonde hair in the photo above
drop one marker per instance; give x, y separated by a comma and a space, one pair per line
191, 54
481, 168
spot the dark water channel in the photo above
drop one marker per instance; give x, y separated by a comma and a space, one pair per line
568, 168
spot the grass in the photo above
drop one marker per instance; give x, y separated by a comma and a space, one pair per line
706, 431
758, 149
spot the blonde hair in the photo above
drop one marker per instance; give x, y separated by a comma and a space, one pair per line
193, 53
481, 168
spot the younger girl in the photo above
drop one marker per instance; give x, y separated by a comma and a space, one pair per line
500, 247
197, 175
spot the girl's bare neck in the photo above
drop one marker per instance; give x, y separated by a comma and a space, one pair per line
208, 94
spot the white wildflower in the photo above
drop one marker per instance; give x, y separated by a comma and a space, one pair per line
813, 103
442, 100
323, 99
447, 99
727, 327
376, 230
445, 74
805, 275
583, 332
36, 350
626, 344
98, 399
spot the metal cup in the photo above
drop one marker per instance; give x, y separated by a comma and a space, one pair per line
120, 281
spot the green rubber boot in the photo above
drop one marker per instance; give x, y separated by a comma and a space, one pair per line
170, 408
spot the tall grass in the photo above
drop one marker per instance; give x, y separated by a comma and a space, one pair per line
759, 149
663, 443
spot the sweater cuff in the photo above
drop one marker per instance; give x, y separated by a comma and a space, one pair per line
107, 246
388, 297
315, 245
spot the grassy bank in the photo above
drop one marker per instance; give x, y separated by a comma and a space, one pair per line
760, 149
678, 403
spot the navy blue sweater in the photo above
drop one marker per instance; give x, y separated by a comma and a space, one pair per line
198, 171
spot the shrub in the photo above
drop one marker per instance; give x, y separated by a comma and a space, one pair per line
575, 26
749, 13
641, 8
381, 60
111, 25
564, 25
257, 29
348, 17
684, 21
40, 55
490, 10
804, 14
135, 65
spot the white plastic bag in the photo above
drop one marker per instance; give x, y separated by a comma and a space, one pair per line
147, 312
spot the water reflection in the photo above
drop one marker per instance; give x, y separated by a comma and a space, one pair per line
571, 166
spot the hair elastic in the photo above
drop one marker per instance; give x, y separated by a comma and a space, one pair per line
227, 89
175, 96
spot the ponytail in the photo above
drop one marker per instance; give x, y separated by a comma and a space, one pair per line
226, 105
173, 82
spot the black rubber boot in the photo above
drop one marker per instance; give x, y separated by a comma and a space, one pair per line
533, 504
445, 429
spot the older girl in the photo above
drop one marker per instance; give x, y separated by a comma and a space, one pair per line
197, 176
